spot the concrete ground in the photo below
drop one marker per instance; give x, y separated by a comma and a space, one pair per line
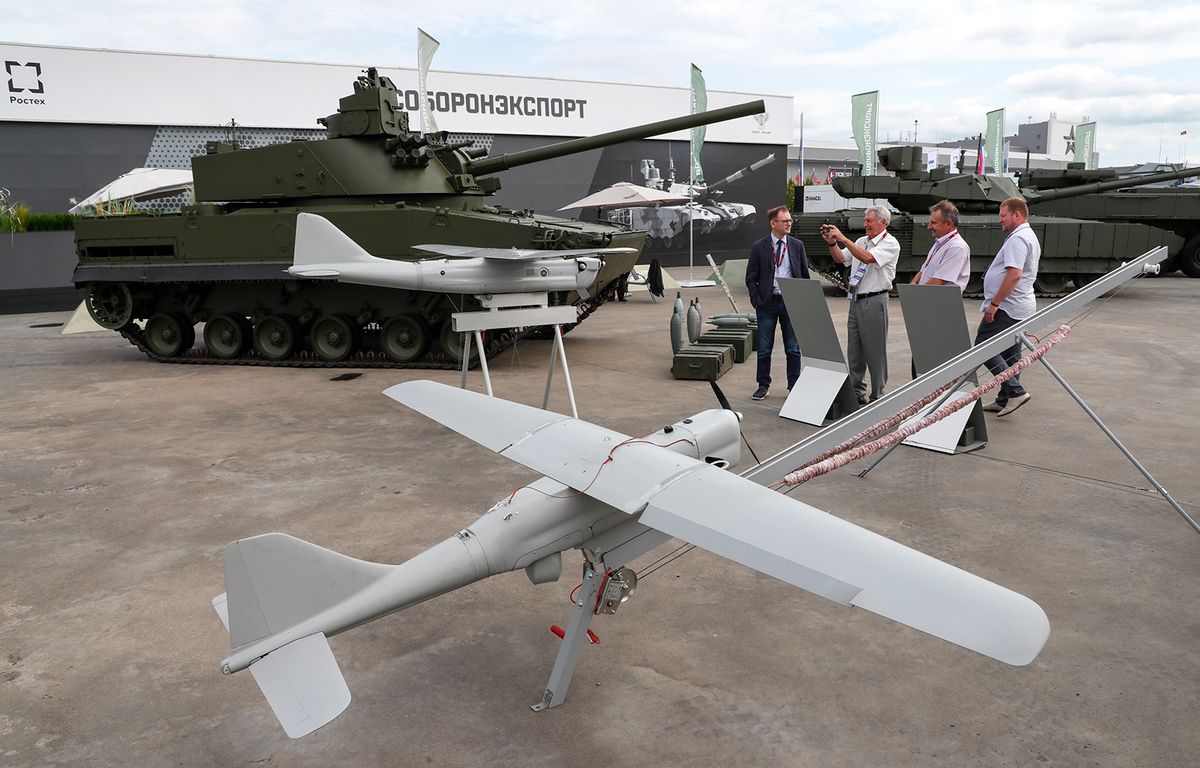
121, 480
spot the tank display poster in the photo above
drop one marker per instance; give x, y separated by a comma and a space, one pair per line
729, 213
864, 109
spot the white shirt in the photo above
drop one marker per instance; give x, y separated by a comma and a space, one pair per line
878, 276
1020, 250
784, 269
949, 259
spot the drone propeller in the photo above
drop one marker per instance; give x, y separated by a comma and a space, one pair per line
724, 402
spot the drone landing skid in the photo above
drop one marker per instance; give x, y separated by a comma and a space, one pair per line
572, 644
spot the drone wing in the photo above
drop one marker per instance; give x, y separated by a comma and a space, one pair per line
512, 254
747, 523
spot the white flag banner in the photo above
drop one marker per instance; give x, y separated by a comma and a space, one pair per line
864, 108
699, 104
426, 47
1085, 145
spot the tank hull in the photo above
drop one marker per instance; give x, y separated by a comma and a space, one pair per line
230, 262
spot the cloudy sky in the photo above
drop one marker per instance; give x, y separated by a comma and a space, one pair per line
1130, 66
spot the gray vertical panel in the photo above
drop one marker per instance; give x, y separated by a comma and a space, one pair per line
809, 313
937, 328
45, 164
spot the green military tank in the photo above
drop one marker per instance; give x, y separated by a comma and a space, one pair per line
222, 260
1074, 250
1174, 208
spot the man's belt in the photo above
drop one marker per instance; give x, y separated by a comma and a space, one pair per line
868, 295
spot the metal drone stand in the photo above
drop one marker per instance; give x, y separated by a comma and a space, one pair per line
602, 590
1022, 337
1111, 436
514, 310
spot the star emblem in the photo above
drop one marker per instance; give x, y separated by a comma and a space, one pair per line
1070, 137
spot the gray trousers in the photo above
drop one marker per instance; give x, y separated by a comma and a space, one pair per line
866, 344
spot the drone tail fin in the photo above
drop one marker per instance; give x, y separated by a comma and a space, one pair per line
320, 243
273, 583
285, 596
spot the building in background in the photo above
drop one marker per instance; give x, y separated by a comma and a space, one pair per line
75, 119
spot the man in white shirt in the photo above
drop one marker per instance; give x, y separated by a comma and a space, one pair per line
872, 260
949, 259
1008, 298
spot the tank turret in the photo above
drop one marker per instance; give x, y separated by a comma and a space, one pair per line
1084, 236
222, 262
1038, 195
913, 189
1099, 195
371, 153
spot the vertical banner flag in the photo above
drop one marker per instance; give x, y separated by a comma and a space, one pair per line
426, 47
1085, 144
699, 104
864, 108
993, 149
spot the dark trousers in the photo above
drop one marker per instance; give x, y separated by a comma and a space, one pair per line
1006, 359
768, 315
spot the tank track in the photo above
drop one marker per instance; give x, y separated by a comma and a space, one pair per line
497, 343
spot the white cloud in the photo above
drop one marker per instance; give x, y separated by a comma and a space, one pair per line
1129, 66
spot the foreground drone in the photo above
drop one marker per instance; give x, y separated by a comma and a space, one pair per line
602, 492
616, 498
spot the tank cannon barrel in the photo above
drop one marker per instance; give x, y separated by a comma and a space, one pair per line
561, 149
1033, 196
743, 172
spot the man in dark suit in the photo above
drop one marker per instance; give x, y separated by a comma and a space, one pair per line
774, 256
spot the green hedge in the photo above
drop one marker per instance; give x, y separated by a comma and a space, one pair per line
49, 222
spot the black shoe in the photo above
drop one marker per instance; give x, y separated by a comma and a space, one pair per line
864, 400
760, 394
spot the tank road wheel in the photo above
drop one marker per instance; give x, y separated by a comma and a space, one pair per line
405, 339
451, 342
974, 283
110, 304
333, 338
226, 336
169, 335
1189, 257
1054, 282
275, 337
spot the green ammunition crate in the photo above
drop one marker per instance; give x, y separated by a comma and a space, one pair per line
702, 362
741, 340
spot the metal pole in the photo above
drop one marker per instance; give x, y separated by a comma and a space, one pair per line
562, 353
550, 373
466, 359
1092, 414
487, 380
691, 230
572, 644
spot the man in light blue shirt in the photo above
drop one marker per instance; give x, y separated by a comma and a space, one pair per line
1008, 298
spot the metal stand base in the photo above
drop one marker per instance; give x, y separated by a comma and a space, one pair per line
1111, 436
471, 325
